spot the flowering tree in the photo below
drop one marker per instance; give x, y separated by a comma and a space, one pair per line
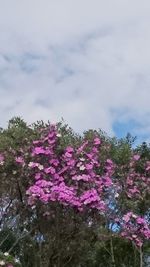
77, 190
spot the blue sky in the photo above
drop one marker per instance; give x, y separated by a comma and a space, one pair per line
86, 61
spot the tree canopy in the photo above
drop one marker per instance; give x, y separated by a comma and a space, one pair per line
73, 200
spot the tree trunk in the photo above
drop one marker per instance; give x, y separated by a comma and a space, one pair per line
112, 253
141, 257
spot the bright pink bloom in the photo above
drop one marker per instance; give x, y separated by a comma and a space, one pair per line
20, 160
38, 150
136, 157
97, 141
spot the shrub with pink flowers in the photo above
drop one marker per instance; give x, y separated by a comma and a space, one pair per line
80, 181
71, 178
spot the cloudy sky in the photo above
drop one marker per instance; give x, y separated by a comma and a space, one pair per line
87, 61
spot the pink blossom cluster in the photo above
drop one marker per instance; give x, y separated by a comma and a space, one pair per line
1, 159
137, 185
69, 177
135, 228
75, 176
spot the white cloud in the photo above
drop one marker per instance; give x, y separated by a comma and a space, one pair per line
86, 61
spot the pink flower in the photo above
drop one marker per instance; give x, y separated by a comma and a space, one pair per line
36, 142
54, 162
82, 177
81, 148
20, 160
107, 181
139, 243
89, 166
97, 141
71, 163
68, 154
134, 190
37, 176
109, 161
69, 149
50, 170
136, 157
127, 216
1, 158
129, 181
140, 220
38, 150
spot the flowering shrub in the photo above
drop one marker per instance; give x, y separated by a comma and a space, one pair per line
71, 177
135, 228
64, 186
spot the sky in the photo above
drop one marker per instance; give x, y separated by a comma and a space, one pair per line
86, 61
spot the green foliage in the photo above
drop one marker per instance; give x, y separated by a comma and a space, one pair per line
7, 240
8, 260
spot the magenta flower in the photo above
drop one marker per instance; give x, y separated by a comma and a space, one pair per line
69, 149
20, 160
136, 157
127, 217
38, 150
140, 220
97, 141
1, 158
